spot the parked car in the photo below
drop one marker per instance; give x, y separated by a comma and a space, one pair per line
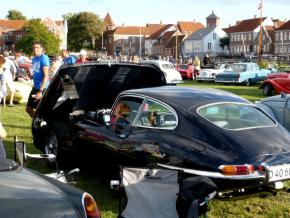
277, 82
186, 71
171, 74
277, 107
282, 72
209, 74
200, 131
243, 73
24, 72
27, 193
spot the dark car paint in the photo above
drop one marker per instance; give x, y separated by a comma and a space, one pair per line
27, 193
195, 143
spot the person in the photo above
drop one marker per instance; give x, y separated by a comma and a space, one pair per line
40, 63
67, 58
55, 65
152, 115
196, 65
2, 135
83, 57
206, 60
2, 90
121, 113
8, 77
20, 59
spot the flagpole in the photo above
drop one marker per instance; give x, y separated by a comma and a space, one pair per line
260, 38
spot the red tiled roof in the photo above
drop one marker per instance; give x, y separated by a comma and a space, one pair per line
108, 20
248, 25
269, 28
158, 32
12, 24
285, 26
230, 29
59, 22
185, 26
130, 30
151, 28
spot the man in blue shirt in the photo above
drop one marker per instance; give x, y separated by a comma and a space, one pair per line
67, 58
40, 63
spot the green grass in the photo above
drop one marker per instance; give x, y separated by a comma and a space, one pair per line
17, 122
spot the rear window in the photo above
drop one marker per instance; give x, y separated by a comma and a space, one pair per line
183, 67
167, 66
235, 116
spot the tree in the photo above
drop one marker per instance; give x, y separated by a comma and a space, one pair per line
84, 29
36, 31
225, 41
15, 15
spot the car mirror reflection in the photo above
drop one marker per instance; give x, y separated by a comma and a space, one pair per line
107, 118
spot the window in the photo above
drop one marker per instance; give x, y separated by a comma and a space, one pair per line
285, 35
277, 36
124, 113
209, 46
235, 116
214, 36
250, 36
18, 37
156, 115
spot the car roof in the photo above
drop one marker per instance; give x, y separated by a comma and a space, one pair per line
187, 97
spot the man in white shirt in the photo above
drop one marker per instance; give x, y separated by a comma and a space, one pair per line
9, 74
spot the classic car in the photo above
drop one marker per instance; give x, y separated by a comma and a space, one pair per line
209, 74
186, 71
281, 72
24, 72
243, 73
27, 193
200, 131
172, 76
277, 82
277, 107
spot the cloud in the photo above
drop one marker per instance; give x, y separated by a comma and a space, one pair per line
66, 2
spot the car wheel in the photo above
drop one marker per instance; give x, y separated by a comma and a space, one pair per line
267, 90
51, 146
248, 82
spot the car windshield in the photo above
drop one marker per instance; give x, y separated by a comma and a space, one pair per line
167, 66
239, 67
284, 70
235, 116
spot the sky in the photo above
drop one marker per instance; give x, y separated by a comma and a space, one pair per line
141, 12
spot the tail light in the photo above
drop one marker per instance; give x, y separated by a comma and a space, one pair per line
238, 76
237, 169
90, 206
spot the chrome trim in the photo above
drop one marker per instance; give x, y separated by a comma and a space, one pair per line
216, 175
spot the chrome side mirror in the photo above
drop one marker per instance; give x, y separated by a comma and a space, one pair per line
283, 95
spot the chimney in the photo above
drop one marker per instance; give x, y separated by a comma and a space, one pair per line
255, 16
160, 21
123, 25
194, 20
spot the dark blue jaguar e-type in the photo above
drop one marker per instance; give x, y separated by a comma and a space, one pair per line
199, 131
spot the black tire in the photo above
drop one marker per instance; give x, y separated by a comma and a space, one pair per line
267, 90
248, 82
54, 144
51, 146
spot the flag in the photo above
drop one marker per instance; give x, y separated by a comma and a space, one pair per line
260, 5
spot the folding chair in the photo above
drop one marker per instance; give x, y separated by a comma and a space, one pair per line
21, 154
150, 192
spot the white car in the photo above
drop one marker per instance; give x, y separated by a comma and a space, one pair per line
172, 76
207, 74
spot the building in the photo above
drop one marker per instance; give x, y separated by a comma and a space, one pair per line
12, 30
206, 40
282, 40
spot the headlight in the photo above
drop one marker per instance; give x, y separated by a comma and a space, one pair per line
90, 206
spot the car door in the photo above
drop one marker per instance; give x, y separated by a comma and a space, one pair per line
152, 133
110, 135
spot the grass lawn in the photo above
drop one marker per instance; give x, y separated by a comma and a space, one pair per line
17, 122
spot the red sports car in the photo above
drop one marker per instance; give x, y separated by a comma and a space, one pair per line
277, 82
186, 71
